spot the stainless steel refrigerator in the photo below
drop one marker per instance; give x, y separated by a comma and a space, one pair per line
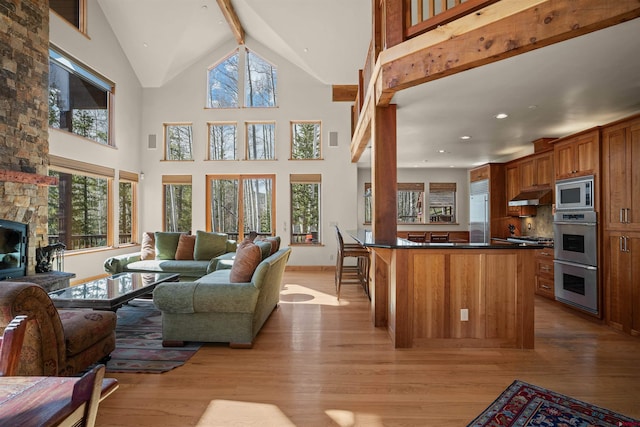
479, 212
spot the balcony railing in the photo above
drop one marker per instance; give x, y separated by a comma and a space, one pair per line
425, 15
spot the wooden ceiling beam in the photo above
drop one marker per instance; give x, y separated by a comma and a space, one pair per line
344, 93
543, 24
232, 19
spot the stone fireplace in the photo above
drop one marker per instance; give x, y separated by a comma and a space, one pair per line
24, 146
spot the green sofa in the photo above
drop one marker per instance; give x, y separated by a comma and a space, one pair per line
163, 252
212, 309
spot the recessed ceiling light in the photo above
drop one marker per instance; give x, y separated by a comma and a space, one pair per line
501, 116
451, 166
306, 49
441, 151
465, 137
532, 107
145, 44
205, 7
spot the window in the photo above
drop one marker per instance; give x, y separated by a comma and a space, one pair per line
305, 140
79, 99
73, 11
238, 204
178, 138
305, 208
442, 202
177, 203
410, 198
261, 141
222, 141
127, 219
260, 82
79, 205
222, 82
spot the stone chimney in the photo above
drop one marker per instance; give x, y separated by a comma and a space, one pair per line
24, 145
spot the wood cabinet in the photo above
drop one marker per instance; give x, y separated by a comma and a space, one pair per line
536, 172
621, 175
622, 281
577, 155
494, 172
513, 188
544, 273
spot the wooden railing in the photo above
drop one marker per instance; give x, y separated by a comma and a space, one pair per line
425, 15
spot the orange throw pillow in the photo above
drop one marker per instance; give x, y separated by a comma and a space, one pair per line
185, 247
148, 246
248, 256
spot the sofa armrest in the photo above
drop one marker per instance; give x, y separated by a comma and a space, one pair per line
116, 264
232, 245
195, 297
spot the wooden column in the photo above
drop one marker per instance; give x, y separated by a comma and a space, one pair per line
384, 174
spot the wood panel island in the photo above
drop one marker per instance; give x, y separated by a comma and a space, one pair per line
423, 292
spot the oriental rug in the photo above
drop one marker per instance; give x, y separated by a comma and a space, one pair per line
527, 405
139, 342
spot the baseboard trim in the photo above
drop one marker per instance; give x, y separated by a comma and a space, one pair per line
310, 268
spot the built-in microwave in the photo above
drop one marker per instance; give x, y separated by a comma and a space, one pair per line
575, 193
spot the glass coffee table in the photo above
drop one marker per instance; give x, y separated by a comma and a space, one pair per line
110, 293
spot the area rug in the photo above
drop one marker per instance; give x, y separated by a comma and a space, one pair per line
139, 342
527, 405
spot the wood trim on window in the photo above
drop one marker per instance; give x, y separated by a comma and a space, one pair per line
128, 176
441, 187
74, 166
176, 179
308, 178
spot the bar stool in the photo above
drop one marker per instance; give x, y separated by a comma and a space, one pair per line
358, 273
419, 237
439, 237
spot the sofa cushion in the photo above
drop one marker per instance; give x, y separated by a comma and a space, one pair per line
166, 244
148, 247
275, 243
186, 245
185, 268
265, 248
209, 245
247, 259
84, 328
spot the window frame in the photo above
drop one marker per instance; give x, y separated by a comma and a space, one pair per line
133, 179
240, 214
247, 79
166, 147
210, 127
305, 179
444, 187
74, 167
175, 180
208, 105
292, 126
246, 139
82, 72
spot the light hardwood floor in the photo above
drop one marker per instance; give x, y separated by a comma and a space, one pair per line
320, 363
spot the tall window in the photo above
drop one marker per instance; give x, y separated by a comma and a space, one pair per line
177, 202
261, 141
178, 141
305, 140
238, 204
222, 141
73, 11
305, 208
127, 219
410, 198
260, 82
79, 99
224, 86
79, 205
222, 82
442, 202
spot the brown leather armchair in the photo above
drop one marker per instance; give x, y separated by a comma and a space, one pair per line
56, 342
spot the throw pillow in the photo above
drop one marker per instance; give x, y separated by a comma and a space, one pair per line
166, 244
247, 259
265, 248
275, 243
148, 246
209, 245
186, 243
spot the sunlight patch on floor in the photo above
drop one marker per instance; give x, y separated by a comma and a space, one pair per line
224, 413
349, 419
296, 294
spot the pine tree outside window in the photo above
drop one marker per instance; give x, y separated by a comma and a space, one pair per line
127, 212
222, 141
260, 141
178, 141
306, 140
305, 208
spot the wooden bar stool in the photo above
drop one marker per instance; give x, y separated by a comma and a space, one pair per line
358, 273
419, 237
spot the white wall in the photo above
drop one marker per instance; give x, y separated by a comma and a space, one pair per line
426, 175
101, 52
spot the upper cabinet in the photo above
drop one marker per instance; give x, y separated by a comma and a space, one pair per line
577, 155
536, 172
621, 173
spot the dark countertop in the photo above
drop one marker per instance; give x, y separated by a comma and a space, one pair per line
365, 238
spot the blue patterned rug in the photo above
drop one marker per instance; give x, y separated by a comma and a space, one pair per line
526, 405
139, 342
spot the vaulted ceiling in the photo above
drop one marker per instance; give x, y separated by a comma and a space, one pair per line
549, 92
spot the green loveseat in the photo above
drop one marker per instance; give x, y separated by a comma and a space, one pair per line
212, 309
166, 252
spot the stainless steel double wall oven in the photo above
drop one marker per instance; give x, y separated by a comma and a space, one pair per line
576, 247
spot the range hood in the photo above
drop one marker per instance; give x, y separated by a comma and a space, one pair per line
532, 198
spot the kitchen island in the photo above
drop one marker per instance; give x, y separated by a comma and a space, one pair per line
452, 294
